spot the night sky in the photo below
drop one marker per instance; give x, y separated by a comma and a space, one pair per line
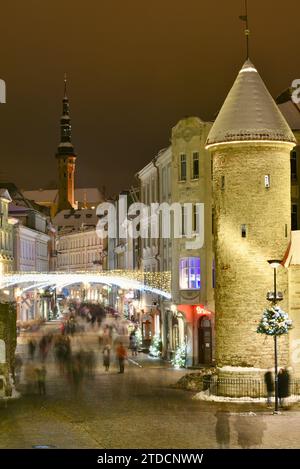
135, 67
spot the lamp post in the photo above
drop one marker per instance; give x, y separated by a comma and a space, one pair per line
274, 263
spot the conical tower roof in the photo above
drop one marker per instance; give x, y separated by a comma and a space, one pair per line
249, 113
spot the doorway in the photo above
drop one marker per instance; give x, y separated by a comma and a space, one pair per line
204, 341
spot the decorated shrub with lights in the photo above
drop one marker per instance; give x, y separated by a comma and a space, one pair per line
274, 321
180, 357
139, 337
155, 347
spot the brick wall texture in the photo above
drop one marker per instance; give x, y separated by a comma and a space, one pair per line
243, 276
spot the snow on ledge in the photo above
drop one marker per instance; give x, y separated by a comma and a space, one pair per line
204, 396
241, 369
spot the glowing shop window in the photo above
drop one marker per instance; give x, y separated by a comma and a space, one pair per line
189, 273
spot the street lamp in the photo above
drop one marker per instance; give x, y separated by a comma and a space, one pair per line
274, 263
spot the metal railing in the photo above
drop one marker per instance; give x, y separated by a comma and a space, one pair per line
243, 387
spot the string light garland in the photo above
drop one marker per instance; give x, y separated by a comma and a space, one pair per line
155, 282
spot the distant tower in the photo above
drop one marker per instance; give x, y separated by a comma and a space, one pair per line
66, 159
250, 143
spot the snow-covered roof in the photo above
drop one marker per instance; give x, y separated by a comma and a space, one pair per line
249, 113
4, 194
90, 195
68, 221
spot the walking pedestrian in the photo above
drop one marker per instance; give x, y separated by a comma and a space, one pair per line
121, 355
41, 380
133, 343
269, 385
283, 385
106, 357
44, 348
17, 369
31, 348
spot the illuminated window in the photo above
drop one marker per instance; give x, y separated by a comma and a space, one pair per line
195, 165
189, 273
182, 175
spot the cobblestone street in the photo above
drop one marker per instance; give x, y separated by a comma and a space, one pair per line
138, 409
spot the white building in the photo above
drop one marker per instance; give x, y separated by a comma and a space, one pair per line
6, 234
81, 250
6, 240
31, 254
155, 186
181, 173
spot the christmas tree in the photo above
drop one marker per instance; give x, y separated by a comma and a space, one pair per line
155, 347
180, 356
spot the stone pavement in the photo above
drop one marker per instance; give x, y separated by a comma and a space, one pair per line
138, 409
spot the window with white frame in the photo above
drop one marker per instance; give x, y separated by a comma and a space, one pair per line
195, 165
182, 169
189, 273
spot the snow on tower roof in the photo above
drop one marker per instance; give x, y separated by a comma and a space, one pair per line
249, 113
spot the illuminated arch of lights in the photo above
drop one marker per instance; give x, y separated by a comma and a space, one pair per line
154, 282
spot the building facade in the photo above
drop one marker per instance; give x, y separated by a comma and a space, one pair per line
291, 112
81, 250
6, 233
6, 241
181, 174
31, 254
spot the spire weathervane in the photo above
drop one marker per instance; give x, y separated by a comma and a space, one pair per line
247, 31
65, 81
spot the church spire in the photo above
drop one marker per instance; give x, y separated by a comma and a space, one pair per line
66, 158
65, 147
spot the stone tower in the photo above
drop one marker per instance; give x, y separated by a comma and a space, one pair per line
250, 143
66, 159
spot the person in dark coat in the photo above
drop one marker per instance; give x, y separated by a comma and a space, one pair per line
283, 385
31, 348
269, 385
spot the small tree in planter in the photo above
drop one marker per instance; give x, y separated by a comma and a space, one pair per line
179, 359
155, 347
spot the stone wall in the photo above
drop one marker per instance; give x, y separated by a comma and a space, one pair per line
243, 276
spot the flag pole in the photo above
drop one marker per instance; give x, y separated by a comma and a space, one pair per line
247, 32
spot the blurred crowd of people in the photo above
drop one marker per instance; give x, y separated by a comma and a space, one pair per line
84, 341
